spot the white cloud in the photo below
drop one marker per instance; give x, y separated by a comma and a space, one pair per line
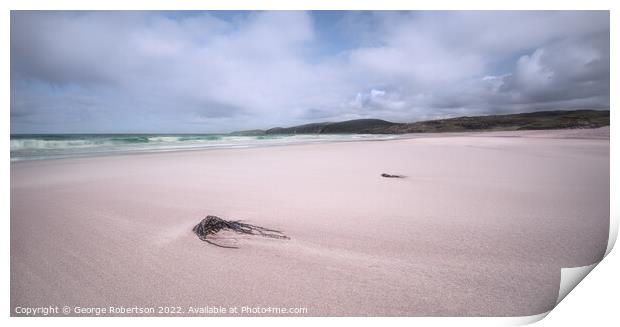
146, 71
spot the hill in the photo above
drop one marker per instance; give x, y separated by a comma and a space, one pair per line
523, 121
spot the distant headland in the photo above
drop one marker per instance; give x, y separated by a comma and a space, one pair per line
558, 119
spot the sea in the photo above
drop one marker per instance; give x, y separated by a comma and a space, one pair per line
56, 146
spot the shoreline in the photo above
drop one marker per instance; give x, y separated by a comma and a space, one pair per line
597, 133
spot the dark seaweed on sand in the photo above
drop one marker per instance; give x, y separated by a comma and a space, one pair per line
210, 225
392, 176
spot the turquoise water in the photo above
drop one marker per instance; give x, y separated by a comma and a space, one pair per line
31, 147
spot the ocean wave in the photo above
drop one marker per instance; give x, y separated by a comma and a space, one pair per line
201, 138
130, 140
25, 147
20, 144
73, 141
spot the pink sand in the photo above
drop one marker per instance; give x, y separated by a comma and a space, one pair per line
480, 226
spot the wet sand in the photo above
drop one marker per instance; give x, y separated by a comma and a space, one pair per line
481, 225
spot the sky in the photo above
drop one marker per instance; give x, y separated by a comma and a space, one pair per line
211, 72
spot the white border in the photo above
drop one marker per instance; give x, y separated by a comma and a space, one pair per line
592, 302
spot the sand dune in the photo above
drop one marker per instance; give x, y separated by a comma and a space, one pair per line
480, 226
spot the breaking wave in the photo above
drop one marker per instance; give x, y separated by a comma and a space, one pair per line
25, 147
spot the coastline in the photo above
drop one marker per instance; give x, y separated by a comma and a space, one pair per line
142, 144
578, 133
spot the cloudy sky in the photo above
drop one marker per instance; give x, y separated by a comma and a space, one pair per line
195, 72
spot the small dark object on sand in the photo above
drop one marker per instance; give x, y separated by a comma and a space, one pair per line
210, 225
392, 176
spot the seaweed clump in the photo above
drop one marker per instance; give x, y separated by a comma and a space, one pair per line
211, 225
392, 176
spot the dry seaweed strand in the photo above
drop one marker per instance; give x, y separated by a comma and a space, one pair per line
210, 225
392, 176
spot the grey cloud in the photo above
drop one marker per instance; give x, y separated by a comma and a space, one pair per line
149, 71
561, 72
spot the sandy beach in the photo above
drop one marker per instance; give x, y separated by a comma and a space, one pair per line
481, 225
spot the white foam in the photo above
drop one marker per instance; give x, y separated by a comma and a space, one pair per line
29, 148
